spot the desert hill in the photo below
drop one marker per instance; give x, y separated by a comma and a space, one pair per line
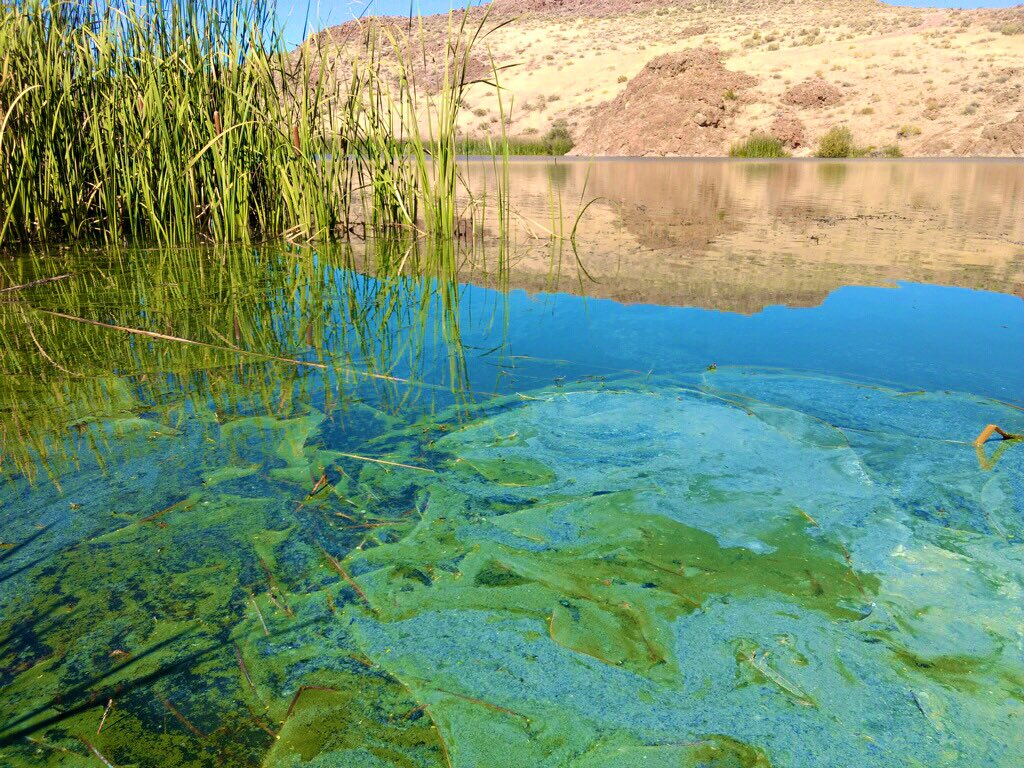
646, 77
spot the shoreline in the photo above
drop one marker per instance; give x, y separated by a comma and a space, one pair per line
993, 159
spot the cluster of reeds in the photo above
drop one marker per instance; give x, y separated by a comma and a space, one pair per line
759, 145
180, 121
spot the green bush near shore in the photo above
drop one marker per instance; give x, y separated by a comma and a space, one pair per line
838, 143
558, 140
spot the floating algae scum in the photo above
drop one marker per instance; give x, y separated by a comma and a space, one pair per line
382, 521
374, 504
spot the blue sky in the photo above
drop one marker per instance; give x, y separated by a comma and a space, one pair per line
324, 13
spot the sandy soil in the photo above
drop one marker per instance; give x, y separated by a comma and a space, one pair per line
932, 82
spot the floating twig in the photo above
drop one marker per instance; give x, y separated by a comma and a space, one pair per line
807, 517
207, 345
184, 503
280, 607
556, 641
318, 486
384, 461
36, 282
440, 738
991, 429
932, 721
413, 711
272, 583
678, 575
106, 712
259, 613
384, 524
43, 352
181, 718
264, 727
98, 754
762, 666
988, 462
426, 709
302, 689
345, 575
487, 704
245, 670
48, 745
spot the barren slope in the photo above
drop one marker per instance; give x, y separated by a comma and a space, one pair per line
646, 77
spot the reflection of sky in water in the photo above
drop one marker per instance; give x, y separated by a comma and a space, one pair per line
913, 336
623, 559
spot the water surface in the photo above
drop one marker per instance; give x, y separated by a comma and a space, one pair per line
696, 487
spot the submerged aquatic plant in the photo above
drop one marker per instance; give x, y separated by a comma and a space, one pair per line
244, 329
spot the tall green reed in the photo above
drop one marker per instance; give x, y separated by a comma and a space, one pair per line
180, 121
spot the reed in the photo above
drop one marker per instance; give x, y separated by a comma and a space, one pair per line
183, 121
759, 145
179, 122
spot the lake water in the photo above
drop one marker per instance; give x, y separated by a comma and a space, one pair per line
694, 487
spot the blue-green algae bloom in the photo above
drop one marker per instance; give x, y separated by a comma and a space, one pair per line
734, 568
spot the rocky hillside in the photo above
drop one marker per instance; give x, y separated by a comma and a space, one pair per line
648, 77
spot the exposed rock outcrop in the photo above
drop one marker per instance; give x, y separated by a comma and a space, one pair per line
813, 93
577, 8
818, 65
1003, 138
788, 129
679, 104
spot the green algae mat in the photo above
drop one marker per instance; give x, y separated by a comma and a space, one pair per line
739, 567
258, 508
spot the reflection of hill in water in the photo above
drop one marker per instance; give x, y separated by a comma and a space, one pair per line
742, 236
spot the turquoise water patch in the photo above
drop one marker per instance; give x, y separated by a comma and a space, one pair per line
813, 616
699, 566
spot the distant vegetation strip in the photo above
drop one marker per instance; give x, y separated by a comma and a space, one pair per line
557, 141
516, 147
